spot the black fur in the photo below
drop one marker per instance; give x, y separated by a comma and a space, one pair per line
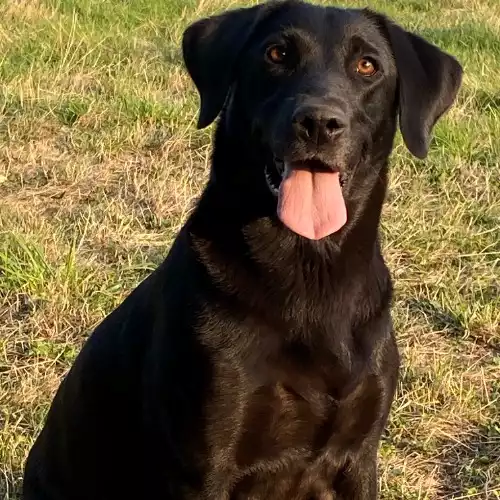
254, 363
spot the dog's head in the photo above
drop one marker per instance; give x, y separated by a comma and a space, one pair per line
317, 91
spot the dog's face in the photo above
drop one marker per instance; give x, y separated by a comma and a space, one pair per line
317, 91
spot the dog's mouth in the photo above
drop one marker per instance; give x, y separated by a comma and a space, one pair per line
276, 170
274, 173
310, 196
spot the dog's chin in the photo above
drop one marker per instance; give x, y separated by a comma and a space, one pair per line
276, 170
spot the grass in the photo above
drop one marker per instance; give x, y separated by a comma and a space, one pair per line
100, 162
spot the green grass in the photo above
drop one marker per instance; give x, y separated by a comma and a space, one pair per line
100, 162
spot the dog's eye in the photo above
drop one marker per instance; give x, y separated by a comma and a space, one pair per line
366, 66
277, 54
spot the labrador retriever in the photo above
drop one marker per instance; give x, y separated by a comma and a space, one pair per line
259, 360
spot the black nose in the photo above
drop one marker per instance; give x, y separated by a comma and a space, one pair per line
319, 125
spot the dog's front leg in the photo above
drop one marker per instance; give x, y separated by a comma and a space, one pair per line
358, 481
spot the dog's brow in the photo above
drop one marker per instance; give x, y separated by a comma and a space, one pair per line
362, 29
300, 35
356, 41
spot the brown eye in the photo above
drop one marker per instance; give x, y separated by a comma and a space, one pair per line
277, 54
366, 67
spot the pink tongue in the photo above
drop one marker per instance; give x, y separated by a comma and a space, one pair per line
311, 203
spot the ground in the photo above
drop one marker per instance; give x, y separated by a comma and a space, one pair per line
100, 163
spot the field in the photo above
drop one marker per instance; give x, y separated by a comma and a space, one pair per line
100, 162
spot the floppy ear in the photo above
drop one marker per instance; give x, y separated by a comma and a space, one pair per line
429, 80
210, 48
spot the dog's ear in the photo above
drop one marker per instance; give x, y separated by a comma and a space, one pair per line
428, 79
211, 48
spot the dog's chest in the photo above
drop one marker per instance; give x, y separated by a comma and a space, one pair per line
291, 445
279, 422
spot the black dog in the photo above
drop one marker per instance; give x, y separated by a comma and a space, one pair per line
259, 362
